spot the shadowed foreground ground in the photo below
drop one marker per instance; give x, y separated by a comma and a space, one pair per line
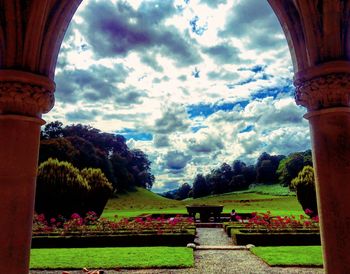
215, 261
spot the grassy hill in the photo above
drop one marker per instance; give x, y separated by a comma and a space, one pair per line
141, 199
275, 198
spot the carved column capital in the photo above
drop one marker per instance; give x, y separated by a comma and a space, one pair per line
324, 91
25, 93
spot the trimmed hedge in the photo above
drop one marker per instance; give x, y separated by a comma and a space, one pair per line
304, 237
99, 192
63, 190
112, 240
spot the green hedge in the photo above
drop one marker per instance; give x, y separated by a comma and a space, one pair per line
304, 237
63, 190
113, 240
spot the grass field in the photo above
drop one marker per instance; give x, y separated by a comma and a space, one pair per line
275, 198
260, 198
290, 255
111, 258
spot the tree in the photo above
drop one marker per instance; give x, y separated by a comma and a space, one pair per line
183, 191
124, 178
249, 173
238, 182
52, 130
140, 167
266, 172
106, 142
290, 166
238, 167
57, 148
85, 147
99, 192
220, 178
304, 186
200, 187
266, 168
61, 189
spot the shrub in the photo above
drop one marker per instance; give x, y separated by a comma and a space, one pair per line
100, 190
304, 185
61, 189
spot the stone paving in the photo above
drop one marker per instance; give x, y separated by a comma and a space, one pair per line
216, 261
212, 236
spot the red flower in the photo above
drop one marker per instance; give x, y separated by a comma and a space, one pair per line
75, 216
308, 211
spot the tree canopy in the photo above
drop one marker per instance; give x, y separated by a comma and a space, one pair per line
88, 147
290, 166
269, 169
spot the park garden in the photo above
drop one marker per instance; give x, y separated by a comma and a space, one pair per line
85, 220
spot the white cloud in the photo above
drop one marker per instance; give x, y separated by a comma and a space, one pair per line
138, 75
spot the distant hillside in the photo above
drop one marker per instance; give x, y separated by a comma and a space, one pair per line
260, 198
140, 199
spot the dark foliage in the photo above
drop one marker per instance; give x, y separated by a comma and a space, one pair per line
290, 166
85, 147
266, 168
304, 185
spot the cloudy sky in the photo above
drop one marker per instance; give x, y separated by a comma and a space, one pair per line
193, 83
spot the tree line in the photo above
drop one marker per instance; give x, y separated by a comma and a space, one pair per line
87, 147
269, 169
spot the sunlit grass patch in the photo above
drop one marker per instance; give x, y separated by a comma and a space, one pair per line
290, 255
259, 198
111, 258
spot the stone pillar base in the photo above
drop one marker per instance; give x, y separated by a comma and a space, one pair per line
19, 143
330, 134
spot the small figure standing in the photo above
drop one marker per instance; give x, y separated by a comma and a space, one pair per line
233, 215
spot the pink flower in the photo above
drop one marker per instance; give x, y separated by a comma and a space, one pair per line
308, 211
52, 220
75, 216
315, 219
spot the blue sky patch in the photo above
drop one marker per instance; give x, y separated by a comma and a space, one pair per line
136, 135
196, 128
206, 110
199, 30
273, 92
257, 68
247, 129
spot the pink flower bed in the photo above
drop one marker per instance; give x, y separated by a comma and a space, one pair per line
269, 223
92, 224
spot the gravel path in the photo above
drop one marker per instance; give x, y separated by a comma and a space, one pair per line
212, 236
215, 261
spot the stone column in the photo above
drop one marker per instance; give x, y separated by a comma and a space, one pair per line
23, 98
325, 91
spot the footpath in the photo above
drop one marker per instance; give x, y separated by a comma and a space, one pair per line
216, 254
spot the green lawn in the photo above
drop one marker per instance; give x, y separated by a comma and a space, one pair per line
108, 258
260, 198
290, 255
275, 198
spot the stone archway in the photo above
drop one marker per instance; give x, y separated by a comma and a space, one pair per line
318, 36
31, 33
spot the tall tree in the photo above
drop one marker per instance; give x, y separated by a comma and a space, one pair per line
52, 130
238, 167
266, 168
304, 185
140, 167
85, 147
200, 187
183, 191
290, 166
